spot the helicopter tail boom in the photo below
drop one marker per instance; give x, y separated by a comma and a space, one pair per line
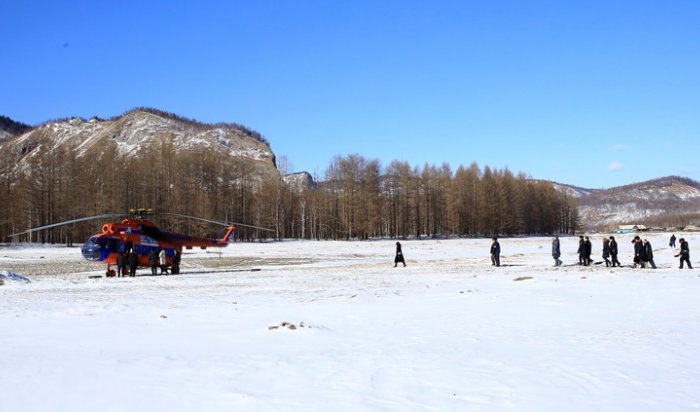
228, 234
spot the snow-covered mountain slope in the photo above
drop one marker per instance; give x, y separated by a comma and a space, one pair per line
137, 130
9, 128
573, 191
650, 202
299, 181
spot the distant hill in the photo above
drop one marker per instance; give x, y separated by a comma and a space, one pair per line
573, 191
75, 167
666, 201
299, 181
9, 127
147, 157
133, 132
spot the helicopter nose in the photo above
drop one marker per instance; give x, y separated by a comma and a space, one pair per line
91, 251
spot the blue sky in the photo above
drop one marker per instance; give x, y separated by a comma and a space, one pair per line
590, 93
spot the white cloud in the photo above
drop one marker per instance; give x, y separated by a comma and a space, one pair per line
618, 147
615, 166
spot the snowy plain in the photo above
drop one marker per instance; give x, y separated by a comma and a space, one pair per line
449, 332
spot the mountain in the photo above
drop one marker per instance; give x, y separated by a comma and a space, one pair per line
224, 168
132, 133
666, 201
573, 191
299, 181
9, 128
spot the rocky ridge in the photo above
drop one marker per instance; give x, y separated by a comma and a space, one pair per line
671, 200
134, 131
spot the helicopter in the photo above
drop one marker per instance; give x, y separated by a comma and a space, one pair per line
138, 234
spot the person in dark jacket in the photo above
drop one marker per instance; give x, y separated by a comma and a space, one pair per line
587, 251
613, 252
133, 261
495, 252
648, 254
672, 241
685, 253
399, 256
556, 251
638, 252
581, 251
176, 262
642, 253
606, 251
153, 261
121, 265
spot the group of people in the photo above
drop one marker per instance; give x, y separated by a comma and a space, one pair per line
585, 249
643, 252
158, 258
128, 262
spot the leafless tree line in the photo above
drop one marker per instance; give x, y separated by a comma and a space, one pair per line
53, 185
357, 199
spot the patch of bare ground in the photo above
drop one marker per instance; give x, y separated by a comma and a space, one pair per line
47, 267
57, 267
288, 325
236, 262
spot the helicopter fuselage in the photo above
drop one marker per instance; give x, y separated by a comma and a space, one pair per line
142, 237
139, 235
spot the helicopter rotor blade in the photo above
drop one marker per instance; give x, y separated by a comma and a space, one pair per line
217, 222
253, 227
67, 222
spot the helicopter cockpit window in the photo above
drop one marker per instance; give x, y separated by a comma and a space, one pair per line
112, 245
91, 249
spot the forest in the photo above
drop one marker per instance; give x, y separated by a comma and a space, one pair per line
356, 198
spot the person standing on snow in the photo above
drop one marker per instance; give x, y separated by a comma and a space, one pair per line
176, 263
613, 252
672, 241
162, 257
133, 260
648, 254
685, 253
587, 251
638, 252
121, 265
153, 261
581, 251
606, 251
399, 256
495, 252
556, 251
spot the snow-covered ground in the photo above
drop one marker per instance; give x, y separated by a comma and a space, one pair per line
448, 332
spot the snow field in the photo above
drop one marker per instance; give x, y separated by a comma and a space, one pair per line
448, 332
